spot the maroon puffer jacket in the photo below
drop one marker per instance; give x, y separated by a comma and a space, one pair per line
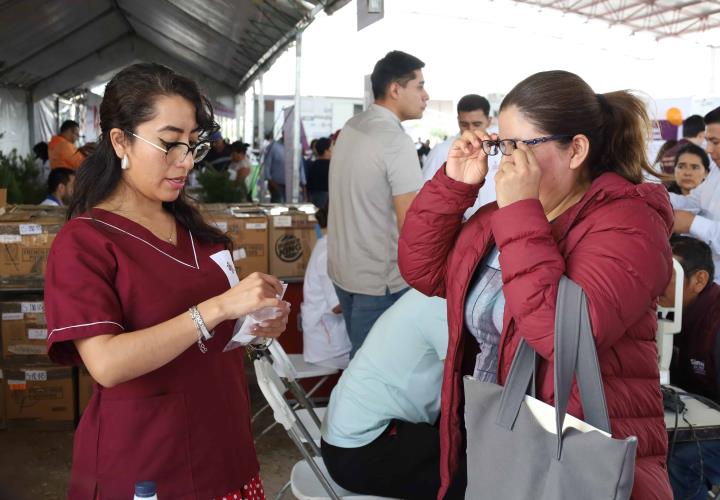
613, 243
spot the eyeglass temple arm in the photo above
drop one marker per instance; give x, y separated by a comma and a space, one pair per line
148, 142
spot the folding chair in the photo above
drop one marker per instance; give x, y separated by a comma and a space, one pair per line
291, 368
669, 327
309, 479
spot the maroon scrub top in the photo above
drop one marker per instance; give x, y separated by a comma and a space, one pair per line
185, 425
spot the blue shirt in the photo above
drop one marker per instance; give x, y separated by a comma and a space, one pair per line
396, 374
274, 162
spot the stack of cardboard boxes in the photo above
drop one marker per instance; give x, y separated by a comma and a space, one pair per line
274, 239
34, 392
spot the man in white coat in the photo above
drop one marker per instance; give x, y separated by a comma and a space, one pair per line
698, 213
473, 114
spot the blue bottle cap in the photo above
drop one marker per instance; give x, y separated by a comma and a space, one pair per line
145, 489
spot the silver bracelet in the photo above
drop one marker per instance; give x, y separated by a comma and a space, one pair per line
203, 333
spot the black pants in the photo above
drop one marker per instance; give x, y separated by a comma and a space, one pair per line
404, 462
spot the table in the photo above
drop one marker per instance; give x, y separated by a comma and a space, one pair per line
704, 419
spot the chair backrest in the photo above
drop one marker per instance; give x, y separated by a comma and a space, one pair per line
669, 327
281, 362
273, 390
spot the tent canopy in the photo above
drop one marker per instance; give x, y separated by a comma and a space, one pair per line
51, 46
696, 20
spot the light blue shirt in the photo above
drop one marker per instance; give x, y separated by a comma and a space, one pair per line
396, 374
274, 162
484, 311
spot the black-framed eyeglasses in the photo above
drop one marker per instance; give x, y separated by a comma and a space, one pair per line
176, 152
507, 146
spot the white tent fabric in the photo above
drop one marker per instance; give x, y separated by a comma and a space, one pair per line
14, 121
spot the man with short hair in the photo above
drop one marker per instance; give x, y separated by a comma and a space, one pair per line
61, 183
61, 149
219, 155
698, 213
374, 176
473, 114
695, 362
693, 132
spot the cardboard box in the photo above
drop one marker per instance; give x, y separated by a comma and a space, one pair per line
3, 199
24, 331
247, 227
3, 421
292, 238
25, 240
41, 397
85, 389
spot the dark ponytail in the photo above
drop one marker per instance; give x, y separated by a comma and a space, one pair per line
129, 100
616, 124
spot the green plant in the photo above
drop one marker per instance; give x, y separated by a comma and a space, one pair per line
20, 176
216, 187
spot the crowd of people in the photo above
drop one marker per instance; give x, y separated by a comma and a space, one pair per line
420, 276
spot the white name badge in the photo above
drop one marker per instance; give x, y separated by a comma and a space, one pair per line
225, 261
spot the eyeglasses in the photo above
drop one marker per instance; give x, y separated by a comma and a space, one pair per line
507, 146
176, 152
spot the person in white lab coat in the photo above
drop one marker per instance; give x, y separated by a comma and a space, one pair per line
473, 114
325, 338
698, 213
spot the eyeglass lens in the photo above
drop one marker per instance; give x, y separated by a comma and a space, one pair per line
177, 152
505, 146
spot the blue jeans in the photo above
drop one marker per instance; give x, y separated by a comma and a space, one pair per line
361, 311
684, 467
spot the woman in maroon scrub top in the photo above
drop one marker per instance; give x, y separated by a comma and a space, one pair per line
136, 281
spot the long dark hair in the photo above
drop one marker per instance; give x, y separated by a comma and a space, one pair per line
129, 101
616, 124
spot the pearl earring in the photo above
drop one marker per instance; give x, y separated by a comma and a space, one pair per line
124, 162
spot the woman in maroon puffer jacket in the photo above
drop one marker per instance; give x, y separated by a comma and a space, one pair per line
570, 203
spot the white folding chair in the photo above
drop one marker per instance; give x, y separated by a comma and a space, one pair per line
292, 368
309, 478
669, 327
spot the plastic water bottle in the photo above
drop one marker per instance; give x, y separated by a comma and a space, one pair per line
145, 490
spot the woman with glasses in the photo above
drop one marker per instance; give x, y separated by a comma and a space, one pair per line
570, 201
144, 293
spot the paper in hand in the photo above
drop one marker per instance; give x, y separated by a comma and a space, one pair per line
243, 326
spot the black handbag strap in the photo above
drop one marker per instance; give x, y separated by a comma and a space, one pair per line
574, 354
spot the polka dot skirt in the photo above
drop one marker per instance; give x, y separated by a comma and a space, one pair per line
253, 490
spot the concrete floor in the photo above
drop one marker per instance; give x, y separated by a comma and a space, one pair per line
35, 465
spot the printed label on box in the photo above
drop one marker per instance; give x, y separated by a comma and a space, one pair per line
10, 238
17, 385
37, 333
27, 350
35, 375
32, 307
222, 226
282, 221
239, 254
12, 316
256, 225
312, 218
28, 229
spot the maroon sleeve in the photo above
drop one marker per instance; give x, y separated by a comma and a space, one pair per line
428, 234
622, 264
80, 297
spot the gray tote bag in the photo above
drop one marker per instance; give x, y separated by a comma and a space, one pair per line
513, 453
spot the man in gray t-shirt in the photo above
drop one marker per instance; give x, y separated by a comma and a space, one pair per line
374, 176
